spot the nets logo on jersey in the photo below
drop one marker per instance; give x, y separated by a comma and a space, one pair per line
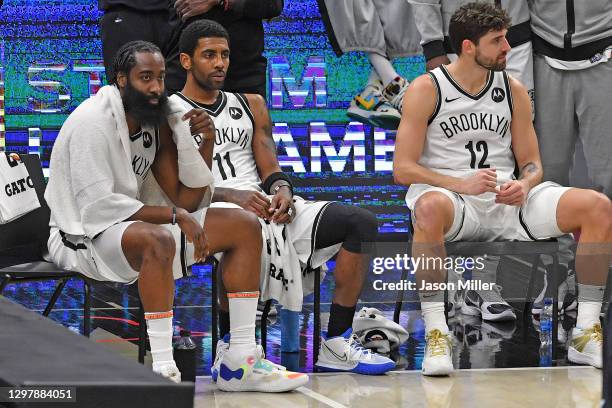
498, 94
235, 113
147, 140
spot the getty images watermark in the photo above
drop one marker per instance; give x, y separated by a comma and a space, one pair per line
400, 262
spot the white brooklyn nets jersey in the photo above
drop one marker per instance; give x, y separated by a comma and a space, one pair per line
233, 160
143, 147
470, 132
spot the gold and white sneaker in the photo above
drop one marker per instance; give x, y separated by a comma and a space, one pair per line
438, 358
168, 370
586, 346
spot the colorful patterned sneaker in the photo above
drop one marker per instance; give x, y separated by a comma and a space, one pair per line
345, 353
371, 108
489, 304
222, 348
438, 359
168, 369
586, 346
394, 92
252, 372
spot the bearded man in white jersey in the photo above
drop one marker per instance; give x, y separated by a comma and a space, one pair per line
464, 125
104, 225
248, 175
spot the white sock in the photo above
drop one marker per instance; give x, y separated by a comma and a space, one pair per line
243, 311
159, 329
433, 312
383, 68
588, 314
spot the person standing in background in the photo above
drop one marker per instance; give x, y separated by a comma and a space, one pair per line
384, 30
243, 19
146, 20
573, 71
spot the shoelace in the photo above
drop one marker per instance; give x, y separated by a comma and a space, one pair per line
595, 333
224, 346
437, 343
493, 295
267, 363
356, 349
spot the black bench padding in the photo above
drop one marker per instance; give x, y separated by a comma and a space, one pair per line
37, 351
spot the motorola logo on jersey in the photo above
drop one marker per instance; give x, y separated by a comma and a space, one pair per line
235, 113
498, 94
147, 140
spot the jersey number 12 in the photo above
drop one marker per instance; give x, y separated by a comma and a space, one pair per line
481, 146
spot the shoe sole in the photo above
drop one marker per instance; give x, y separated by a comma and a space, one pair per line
438, 372
384, 122
507, 315
239, 387
578, 357
357, 370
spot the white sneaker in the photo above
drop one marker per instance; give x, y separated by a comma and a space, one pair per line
438, 359
222, 348
489, 304
168, 369
252, 372
394, 92
345, 353
586, 346
371, 108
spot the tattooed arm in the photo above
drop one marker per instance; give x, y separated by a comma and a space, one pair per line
525, 148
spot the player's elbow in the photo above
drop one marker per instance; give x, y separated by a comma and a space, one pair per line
403, 175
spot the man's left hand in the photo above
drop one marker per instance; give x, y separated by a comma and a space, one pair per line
190, 8
513, 192
200, 123
282, 209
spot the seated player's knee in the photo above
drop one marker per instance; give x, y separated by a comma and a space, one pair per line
361, 228
364, 223
428, 212
600, 210
159, 244
248, 225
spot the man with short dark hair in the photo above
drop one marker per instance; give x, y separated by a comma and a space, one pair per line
304, 233
102, 223
468, 124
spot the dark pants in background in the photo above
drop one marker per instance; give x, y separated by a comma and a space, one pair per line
120, 25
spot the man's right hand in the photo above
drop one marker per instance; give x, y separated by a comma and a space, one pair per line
252, 201
483, 181
435, 62
189, 8
194, 232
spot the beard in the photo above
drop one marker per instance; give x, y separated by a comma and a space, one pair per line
206, 83
489, 63
138, 105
